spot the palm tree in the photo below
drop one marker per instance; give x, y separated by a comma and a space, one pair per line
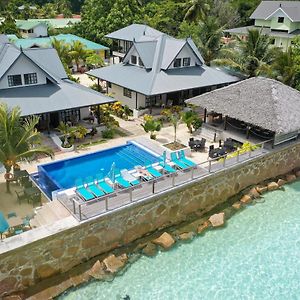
62, 50
78, 52
250, 57
19, 139
196, 10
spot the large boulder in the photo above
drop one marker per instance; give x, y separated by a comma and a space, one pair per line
114, 264
203, 227
150, 249
246, 199
165, 240
217, 220
186, 236
262, 189
291, 177
237, 205
254, 193
272, 186
98, 270
281, 182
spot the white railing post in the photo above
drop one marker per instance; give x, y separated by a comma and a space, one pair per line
74, 207
209, 166
106, 203
173, 180
80, 212
192, 174
250, 153
224, 161
238, 156
153, 187
130, 195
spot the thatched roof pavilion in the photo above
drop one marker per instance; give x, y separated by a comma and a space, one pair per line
258, 101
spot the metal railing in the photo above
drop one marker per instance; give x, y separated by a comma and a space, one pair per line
122, 198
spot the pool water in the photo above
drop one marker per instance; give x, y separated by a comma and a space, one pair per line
256, 256
63, 174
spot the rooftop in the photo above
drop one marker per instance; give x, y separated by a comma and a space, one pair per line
263, 102
267, 8
55, 23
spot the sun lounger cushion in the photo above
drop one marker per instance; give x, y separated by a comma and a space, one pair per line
178, 163
122, 182
153, 171
105, 187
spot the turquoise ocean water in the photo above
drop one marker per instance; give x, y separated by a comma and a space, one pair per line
256, 256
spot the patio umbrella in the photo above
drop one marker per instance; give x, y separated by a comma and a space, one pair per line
112, 173
3, 224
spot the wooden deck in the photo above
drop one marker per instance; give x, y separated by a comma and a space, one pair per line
125, 197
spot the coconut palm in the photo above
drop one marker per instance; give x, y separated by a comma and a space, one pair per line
78, 52
63, 51
250, 57
196, 10
19, 140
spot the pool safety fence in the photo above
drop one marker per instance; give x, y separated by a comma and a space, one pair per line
123, 198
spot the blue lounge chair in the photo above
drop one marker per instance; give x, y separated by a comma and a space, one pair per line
82, 192
177, 162
93, 187
186, 161
104, 186
153, 172
122, 182
167, 168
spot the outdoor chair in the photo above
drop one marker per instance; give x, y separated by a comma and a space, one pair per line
167, 167
153, 172
177, 162
82, 192
129, 177
21, 197
103, 185
200, 145
182, 158
35, 199
91, 186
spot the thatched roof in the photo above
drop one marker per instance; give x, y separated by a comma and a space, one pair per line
263, 102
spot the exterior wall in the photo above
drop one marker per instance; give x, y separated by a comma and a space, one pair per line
64, 250
283, 43
186, 52
23, 66
84, 112
117, 93
262, 23
280, 26
39, 31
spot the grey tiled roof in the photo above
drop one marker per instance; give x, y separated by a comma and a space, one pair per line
135, 32
156, 78
264, 30
260, 101
37, 99
267, 8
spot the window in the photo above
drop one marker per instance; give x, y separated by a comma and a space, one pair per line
14, 80
108, 84
133, 59
140, 62
186, 61
272, 41
127, 93
30, 78
177, 63
280, 19
30, 31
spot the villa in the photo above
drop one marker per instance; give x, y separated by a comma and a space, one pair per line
237, 111
278, 19
158, 70
35, 81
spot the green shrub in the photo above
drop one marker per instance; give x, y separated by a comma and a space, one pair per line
108, 134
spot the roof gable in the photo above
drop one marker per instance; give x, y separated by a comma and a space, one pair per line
8, 55
267, 8
279, 10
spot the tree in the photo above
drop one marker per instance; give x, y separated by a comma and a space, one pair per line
123, 13
196, 10
151, 125
190, 117
19, 140
78, 52
206, 35
174, 116
94, 61
9, 25
251, 57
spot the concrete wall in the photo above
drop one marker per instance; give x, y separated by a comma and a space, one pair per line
29, 264
23, 66
117, 93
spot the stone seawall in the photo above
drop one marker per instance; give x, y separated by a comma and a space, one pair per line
30, 264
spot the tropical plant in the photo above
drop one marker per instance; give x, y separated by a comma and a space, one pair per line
189, 117
196, 10
78, 52
173, 115
94, 61
251, 57
67, 134
151, 125
19, 140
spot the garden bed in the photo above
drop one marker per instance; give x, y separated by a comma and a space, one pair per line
175, 146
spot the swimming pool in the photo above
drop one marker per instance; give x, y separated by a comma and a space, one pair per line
256, 256
63, 174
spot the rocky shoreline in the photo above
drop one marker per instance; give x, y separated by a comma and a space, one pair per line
107, 266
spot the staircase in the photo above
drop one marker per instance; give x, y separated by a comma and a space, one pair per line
210, 133
49, 213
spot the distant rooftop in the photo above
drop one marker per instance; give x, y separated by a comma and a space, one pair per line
267, 8
135, 32
54, 23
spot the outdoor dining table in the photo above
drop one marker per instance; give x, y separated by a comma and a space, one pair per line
3, 224
31, 191
21, 173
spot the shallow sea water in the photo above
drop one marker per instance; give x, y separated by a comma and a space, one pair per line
256, 256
